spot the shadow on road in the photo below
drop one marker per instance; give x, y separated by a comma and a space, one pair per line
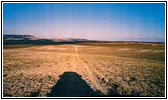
71, 84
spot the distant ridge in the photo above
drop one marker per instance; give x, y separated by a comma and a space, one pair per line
30, 39
68, 39
17, 36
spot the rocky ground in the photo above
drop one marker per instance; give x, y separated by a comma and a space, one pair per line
64, 70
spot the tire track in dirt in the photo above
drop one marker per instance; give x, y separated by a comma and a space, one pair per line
74, 66
79, 64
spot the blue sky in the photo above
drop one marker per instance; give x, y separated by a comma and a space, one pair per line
97, 21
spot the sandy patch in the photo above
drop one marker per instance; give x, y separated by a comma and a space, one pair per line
158, 51
81, 46
50, 48
144, 50
124, 49
154, 45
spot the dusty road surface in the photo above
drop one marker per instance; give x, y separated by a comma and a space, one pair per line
83, 70
79, 65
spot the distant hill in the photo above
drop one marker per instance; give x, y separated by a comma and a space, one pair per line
68, 39
30, 39
17, 36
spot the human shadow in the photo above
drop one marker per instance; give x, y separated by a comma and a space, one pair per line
71, 84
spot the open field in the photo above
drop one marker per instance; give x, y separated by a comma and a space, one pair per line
85, 69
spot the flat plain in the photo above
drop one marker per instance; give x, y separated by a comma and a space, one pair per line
84, 69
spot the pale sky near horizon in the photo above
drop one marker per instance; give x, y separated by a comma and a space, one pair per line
95, 21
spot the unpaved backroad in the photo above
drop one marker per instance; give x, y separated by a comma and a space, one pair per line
83, 68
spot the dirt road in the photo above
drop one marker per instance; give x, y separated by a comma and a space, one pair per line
82, 68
